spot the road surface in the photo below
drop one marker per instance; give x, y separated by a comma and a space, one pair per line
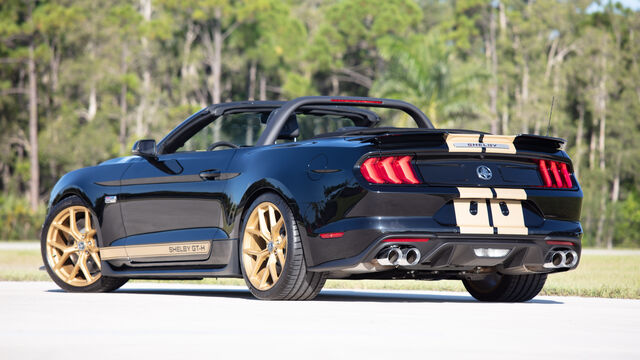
185, 321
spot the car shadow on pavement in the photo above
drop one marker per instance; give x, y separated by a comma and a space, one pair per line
330, 295
434, 297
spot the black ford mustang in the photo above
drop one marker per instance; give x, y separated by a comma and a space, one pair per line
289, 194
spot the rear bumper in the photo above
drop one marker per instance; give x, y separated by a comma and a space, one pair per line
446, 250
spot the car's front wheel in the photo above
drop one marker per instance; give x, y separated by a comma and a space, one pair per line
271, 255
70, 251
505, 288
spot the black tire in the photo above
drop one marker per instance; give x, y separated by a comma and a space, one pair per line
103, 283
506, 288
295, 282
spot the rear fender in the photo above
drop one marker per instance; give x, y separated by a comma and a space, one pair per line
263, 186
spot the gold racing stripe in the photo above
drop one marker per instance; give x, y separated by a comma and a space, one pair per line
486, 193
505, 144
513, 222
168, 249
472, 224
475, 193
113, 252
492, 144
156, 250
511, 194
463, 142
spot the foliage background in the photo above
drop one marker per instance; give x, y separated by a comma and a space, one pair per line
81, 80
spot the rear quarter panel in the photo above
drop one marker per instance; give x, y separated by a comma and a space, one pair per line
314, 177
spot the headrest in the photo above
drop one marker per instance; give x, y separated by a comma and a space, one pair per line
290, 129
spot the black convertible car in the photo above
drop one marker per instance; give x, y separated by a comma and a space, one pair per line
289, 194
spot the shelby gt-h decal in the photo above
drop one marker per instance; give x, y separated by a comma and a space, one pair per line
156, 250
289, 194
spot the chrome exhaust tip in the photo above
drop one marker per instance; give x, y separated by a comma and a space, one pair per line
558, 259
570, 259
410, 257
555, 260
390, 257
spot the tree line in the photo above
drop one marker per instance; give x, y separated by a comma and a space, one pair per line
81, 80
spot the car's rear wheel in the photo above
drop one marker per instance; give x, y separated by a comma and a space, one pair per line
271, 255
506, 288
70, 251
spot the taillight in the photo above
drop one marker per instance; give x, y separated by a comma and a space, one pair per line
555, 242
406, 240
566, 175
555, 174
402, 167
369, 171
385, 168
389, 170
333, 235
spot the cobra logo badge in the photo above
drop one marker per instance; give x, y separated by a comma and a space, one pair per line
484, 172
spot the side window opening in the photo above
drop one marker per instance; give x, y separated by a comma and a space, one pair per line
313, 125
241, 129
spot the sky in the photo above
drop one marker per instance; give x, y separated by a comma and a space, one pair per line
631, 4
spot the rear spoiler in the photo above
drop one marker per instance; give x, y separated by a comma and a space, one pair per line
467, 141
529, 141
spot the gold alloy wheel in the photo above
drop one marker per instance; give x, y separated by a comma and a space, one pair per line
264, 246
73, 253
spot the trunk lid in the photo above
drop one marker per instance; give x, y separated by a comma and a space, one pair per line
465, 158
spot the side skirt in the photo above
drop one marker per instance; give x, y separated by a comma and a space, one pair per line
229, 271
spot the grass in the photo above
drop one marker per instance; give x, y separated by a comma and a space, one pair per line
21, 265
599, 275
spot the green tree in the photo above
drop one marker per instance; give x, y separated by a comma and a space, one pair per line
420, 70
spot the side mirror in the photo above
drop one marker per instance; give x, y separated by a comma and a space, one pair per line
145, 148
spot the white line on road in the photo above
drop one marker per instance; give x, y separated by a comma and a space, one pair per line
19, 245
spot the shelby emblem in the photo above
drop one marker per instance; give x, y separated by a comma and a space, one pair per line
484, 172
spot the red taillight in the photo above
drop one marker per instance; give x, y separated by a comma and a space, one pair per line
556, 242
410, 240
402, 167
389, 170
545, 173
385, 167
332, 235
369, 171
566, 175
555, 174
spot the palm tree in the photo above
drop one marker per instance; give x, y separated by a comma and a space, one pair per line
423, 70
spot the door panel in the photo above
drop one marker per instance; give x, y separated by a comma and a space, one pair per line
169, 194
165, 214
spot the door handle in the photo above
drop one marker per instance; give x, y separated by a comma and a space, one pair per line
209, 174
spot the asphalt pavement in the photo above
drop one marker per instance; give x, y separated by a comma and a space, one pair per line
186, 321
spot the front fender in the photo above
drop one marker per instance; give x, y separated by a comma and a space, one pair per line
92, 184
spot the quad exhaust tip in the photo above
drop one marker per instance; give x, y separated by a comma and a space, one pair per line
394, 256
561, 259
390, 256
410, 257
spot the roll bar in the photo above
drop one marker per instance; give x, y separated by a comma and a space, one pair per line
279, 117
